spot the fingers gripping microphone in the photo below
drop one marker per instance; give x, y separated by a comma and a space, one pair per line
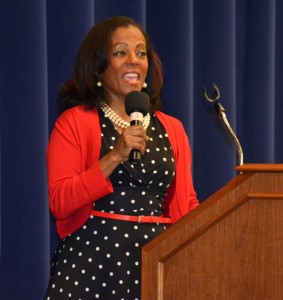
137, 106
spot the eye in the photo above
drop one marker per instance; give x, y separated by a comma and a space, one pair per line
142, 54
119, 53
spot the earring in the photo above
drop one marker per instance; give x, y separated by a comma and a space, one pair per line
144, 85
99, 83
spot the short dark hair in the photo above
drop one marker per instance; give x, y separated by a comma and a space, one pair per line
92, 60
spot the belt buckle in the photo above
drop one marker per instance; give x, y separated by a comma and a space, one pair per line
140, 219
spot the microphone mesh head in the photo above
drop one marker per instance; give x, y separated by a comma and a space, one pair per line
137, 101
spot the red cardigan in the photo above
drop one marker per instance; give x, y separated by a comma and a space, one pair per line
75, 179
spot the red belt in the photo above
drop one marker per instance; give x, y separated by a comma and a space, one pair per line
138, 219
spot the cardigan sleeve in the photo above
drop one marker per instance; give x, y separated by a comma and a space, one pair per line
181, 197
74, 179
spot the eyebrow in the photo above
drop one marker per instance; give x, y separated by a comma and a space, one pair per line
125, 44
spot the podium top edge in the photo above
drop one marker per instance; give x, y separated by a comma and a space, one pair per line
260, 168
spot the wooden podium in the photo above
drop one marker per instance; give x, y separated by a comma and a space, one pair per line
230, 247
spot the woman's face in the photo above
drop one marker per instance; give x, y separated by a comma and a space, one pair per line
127, 63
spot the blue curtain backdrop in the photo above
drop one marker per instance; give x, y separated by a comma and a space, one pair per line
236, 43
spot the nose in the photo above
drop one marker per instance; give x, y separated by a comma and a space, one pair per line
132, 58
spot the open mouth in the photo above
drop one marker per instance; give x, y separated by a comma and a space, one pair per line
132, 78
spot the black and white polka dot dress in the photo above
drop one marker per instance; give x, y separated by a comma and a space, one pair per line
102, 260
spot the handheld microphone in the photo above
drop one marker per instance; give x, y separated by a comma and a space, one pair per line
137, 106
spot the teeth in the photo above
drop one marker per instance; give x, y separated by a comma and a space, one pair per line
131, 75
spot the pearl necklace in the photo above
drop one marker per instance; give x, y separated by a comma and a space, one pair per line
118, 121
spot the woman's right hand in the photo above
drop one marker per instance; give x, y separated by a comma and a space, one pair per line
133, 137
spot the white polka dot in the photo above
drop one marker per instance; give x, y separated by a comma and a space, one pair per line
153, 162
87, 289
76, 283
117, 245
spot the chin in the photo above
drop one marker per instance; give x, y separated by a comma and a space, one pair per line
134, 88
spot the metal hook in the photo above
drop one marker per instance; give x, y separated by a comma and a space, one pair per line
213, 96
221, 113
